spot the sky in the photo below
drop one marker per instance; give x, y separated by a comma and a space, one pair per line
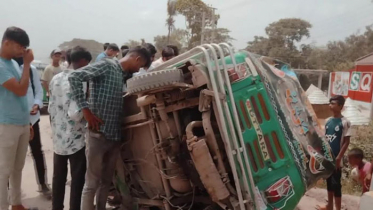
51, 22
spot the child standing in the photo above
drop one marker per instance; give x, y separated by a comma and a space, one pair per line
337, 133
368, 178
356, 160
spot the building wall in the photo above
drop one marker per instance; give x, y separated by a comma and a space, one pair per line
363, 74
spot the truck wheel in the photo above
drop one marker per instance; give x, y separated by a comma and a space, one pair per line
154, 80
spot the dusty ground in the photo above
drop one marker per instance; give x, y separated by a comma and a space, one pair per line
32, 199
318, 196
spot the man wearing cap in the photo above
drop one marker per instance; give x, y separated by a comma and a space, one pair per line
52, 69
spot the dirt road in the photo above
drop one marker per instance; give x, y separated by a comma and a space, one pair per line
317, 196
32, 199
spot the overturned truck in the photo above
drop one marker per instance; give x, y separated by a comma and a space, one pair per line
218, 129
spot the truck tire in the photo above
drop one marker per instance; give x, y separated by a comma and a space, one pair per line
152, 80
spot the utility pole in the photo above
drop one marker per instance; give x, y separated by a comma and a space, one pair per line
213, 25
210, 37
203, 27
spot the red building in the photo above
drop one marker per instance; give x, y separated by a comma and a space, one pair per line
356, 83
361, 84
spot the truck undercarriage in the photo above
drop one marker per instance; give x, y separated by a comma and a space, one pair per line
214, 129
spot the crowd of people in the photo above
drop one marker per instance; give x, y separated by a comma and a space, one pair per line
85, 107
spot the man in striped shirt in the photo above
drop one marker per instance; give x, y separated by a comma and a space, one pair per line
103, 114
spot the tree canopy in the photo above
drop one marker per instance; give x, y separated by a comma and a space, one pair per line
178, 37
283, 41
193, 11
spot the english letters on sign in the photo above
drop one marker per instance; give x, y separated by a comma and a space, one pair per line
355, 81
258, 130
366, 80
361, 81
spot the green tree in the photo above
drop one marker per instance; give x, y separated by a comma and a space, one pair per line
287, 31
193, 10
170, 21
281, 40
259, 45
178, 37
341, 55
221, 35
283, 36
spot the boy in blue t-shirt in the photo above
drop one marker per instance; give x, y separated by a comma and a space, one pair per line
15, 129
337, 133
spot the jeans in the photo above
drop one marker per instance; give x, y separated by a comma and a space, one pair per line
101, 162
78, 167
38, 155
14, 140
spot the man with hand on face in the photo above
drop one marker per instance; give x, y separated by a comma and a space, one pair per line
103, 114
15, 129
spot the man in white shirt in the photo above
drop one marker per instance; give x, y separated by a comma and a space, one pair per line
63, 63
167, 54
35, 102
68, 127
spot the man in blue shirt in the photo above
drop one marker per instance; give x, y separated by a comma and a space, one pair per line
14, 115
111, 51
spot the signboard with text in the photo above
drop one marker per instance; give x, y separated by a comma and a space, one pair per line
339, 83
356, 85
